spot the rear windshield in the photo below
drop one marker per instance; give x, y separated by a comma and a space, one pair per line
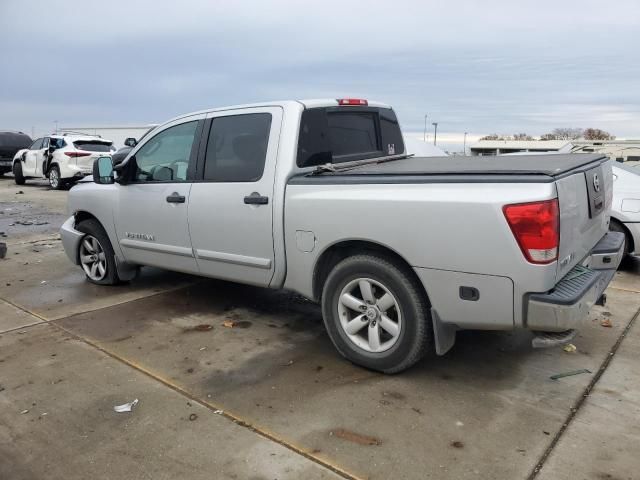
343, 134
15, 140
92, 145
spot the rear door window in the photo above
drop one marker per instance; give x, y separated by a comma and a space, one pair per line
37, 145
237, 148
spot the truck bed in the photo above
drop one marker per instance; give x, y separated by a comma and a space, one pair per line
516, 169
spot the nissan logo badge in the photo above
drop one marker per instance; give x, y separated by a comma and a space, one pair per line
596, 182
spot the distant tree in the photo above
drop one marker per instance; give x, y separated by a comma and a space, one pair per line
493, 136
563, 134
522, 136
597, 134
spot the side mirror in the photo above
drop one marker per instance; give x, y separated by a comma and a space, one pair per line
103, 170
130, 142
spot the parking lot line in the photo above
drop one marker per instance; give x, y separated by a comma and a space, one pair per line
624, 289
575, 408
237, 419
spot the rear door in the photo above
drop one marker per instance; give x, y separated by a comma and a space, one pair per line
231, 205
151, 212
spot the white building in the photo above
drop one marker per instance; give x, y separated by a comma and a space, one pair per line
498, 147
117, 134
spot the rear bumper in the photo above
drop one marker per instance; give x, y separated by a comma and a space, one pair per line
71, 239
567, 304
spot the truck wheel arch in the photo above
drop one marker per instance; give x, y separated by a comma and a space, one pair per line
340, 250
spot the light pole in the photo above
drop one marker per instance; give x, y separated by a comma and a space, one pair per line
435, 131
464, 148
56, 122
425, 129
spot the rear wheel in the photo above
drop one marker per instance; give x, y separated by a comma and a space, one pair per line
17, 173
376, 313
96, 255
55, 181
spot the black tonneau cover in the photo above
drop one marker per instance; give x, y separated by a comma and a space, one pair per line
501, 168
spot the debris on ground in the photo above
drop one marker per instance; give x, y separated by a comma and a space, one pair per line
457, 444
19, 192
288, 364
193, 417
218, 412
234, 324
569, 348
24, 411
3, 249
605, 322
203, 327
355, 437
569, 374
125, 407
43, 282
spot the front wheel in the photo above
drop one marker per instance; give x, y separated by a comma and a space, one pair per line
55, 181
17, 173
96, 255
376, 313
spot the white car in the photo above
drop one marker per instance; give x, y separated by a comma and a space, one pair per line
625, 211
63, 159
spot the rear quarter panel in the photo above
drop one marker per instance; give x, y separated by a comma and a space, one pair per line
453, 227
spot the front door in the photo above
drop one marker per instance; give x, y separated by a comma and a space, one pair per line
31, 158
231, 207
151, 214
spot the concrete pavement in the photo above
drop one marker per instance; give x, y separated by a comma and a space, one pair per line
291, 407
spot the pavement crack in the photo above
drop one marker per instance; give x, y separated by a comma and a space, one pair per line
583, 398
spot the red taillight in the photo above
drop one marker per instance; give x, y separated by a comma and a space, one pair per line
352, 101
77, 154
536, 226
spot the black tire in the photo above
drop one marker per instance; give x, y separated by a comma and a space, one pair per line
92, 227
415, 337
17, 173
54, 173
616, 226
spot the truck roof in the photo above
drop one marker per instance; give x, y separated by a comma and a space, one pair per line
306, 103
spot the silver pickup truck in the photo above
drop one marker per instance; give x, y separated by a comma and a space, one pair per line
320, 197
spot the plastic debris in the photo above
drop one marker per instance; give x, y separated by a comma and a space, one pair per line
218, 412
228, 324
125, 407
23, 412
569, 348
605, 322
569, 374
43, 282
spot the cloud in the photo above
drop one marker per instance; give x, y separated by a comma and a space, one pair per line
472, 66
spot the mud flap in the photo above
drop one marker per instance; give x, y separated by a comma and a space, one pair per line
444, 334
126, 271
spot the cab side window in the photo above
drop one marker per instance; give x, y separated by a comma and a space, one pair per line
165, 157
237, 148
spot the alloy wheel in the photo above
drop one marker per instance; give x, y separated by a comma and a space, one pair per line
93, 258
369, 315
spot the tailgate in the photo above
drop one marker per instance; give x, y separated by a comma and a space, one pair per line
585, 203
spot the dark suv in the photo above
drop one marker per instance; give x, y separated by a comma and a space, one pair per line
10, 143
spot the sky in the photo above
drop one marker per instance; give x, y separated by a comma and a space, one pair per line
479, 67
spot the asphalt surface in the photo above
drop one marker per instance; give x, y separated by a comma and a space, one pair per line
240, 382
